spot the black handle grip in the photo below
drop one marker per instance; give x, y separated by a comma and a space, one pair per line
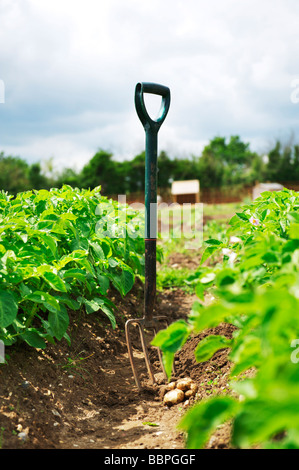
155, 89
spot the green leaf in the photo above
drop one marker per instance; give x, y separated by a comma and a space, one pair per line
264, 214
235, 220
243, 216
294, 230
209, 345
208, 252
293, 216
8, 308
75, 273
98, 250
202, 419
76, 255
109, 312
225, 277
33, 338
69, 301
55, 281
200, 290
170, 340
93, 305
50, 242
59, 322
270, 257
213, 242
127, 280
246, 355
96, 304
48, 300
104, 283
207, 317
207, 278
291, 246
262, 418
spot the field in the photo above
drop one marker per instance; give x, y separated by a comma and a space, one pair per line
231, 305
82, 394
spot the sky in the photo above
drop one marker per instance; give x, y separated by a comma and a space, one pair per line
68, 71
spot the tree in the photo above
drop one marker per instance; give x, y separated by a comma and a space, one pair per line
223, 164
136, 173
165, 170
286, 165
274, 162
100, 171
13, 174
68, 176
36, 179
296, 163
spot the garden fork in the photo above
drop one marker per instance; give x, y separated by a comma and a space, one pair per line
151, 127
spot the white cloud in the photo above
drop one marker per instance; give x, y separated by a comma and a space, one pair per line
70, 69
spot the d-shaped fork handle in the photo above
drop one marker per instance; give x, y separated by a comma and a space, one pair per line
154, 89
151, 128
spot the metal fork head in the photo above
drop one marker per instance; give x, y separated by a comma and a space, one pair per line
142, 324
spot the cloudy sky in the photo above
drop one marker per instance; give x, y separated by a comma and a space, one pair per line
70, 67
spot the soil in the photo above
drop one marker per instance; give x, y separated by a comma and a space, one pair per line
84, 395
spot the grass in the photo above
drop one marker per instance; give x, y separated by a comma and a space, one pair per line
224, 210
175, 277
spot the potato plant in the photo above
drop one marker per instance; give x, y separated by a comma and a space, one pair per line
54, 258
256, 288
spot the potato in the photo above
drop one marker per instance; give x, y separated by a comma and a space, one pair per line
184, 384
173, 397
171, 386
192, 391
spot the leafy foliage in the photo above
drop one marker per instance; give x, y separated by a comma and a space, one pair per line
55, 256
223, 163
256, 288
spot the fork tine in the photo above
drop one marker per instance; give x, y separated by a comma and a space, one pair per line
141, 323
130, 352
146, 354
160, 358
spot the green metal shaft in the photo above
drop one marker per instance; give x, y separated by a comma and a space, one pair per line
151, 128
151, 153
150, 221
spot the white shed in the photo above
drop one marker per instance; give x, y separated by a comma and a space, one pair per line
261, 187
185, 191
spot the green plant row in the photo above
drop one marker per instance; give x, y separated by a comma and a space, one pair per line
62, 250
256, 289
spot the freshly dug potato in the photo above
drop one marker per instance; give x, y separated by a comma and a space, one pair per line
194, 387
173, 397
171, 386
184, 384
192, 391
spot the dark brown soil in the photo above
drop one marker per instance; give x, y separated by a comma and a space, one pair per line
84, 395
